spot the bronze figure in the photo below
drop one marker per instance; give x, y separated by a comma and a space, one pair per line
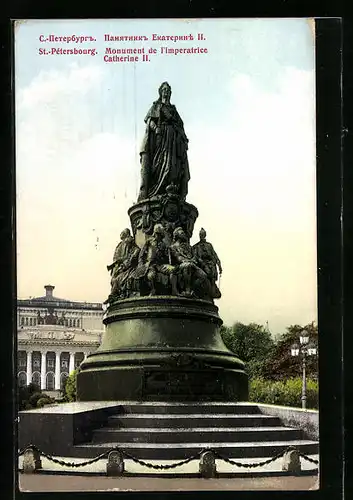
163, 154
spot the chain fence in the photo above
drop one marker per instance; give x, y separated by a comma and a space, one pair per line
150, 465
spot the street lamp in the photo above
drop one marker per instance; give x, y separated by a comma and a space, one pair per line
303, 350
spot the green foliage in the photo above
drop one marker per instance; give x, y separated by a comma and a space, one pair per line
267, 357
24, 394
70, 387
44, 400
34, 398
29, 397
253, 344
284, 393
280, 364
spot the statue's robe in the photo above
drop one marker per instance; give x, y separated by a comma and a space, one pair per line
206, 254
167, 161
183, 256
153, 255
125, 260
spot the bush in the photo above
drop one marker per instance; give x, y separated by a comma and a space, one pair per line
30, 395
70, 387
34, 398
286, 393
44, 400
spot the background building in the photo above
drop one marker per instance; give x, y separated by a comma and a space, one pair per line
54, 336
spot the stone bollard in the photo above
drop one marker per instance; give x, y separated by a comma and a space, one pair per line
115, 465
207, 465
291, 461
31, 461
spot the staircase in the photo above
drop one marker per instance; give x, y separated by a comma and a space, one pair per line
158, 430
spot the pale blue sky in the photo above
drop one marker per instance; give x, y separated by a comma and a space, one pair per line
248, 109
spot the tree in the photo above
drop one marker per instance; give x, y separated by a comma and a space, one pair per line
281, 364
70, 387
253, 343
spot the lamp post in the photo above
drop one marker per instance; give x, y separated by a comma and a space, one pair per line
304, 349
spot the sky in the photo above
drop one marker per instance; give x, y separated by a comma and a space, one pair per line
248, 107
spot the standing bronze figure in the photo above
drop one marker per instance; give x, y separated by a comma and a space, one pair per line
164, 160
124, 260
206, 254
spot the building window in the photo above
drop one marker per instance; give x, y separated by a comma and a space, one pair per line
22, 359
36, 379
22, 322
63, 378
79, 356
22, 379
64, 361
26, 321
36, 360
50, 385
51, 363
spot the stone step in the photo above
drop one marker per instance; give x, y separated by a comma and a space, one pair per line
200, 434
160, 407
160, 420
173, 451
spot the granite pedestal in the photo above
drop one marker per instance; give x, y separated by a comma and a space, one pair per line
162, 348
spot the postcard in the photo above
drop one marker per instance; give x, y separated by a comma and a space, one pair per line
166, 254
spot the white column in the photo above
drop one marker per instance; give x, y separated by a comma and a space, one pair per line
43, 370
72, 362
29, 367
57, 371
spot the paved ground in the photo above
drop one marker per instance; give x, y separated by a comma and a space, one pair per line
41, 482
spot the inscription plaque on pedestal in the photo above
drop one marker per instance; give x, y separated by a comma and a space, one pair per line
182, 384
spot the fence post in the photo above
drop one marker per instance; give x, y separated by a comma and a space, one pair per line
207, 465
115, 464
291, 461
31, 461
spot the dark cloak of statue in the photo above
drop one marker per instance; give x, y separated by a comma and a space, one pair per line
209, 261
124, 260
192, 280
205, 252
164, 160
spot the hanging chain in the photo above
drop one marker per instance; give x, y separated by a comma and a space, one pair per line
168, 466
250, 465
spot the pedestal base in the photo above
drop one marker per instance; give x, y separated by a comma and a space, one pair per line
162, 348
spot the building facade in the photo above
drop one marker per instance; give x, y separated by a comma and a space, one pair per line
54, 337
